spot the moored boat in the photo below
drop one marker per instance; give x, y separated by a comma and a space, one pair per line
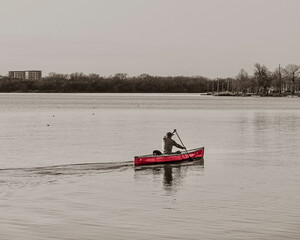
193, 154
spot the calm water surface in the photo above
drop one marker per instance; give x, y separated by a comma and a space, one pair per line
66, 168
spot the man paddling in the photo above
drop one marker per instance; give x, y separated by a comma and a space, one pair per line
168, 144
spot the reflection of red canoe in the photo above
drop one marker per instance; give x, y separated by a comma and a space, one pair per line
195, 154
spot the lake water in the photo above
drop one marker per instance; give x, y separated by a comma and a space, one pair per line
67, 167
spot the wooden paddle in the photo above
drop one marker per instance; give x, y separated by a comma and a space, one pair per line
183, 145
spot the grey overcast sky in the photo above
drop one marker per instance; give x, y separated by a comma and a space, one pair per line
211, 38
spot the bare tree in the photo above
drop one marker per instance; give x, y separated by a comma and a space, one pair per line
77, 76
144, 76
120, 76
277, 79
292, 71
263, 77
243, 81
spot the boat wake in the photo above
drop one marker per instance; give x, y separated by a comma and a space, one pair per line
71, 169
25, 178
12, 178
21, 176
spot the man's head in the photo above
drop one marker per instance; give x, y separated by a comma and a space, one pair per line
169, 134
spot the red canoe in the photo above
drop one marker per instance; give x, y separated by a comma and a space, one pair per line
195, 154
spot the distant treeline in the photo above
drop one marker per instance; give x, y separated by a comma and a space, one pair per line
263, 82
119, 83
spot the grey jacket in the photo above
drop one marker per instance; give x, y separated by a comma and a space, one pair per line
168, 144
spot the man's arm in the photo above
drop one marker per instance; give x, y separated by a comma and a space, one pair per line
178, 145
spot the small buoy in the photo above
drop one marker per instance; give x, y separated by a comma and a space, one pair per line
93, 113
48, 125
53, 116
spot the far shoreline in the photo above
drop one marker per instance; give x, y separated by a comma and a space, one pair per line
215, 94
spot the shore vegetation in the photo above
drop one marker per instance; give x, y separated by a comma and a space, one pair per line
263, 82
